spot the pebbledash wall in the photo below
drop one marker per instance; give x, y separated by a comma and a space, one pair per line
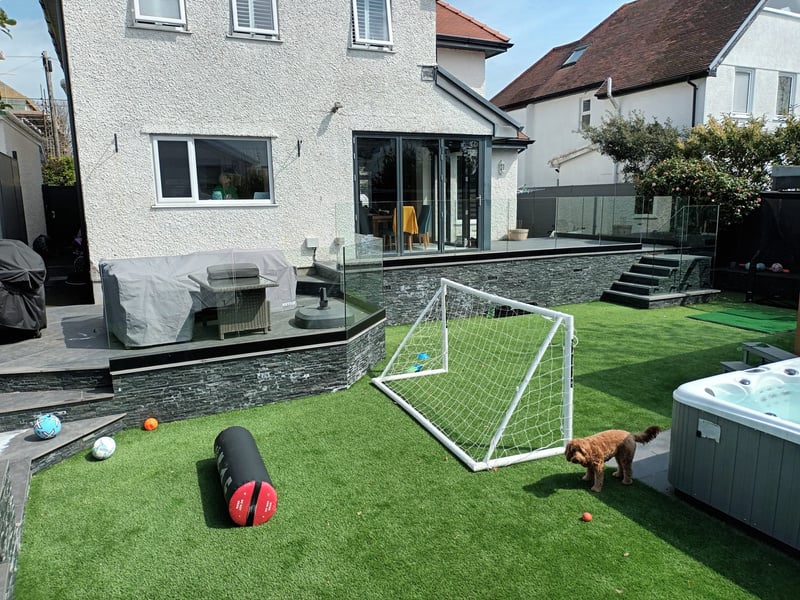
130, 84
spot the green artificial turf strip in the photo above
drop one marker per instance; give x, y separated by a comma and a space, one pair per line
370, 506
751, 320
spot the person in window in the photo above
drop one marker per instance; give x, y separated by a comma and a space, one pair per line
225, 189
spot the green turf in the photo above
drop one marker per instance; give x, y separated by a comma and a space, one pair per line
370, 506
752, 320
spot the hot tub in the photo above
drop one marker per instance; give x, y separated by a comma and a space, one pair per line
735, 446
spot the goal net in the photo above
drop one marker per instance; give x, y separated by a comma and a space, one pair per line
489, 377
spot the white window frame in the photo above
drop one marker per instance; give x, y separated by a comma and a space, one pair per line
140, 17
360, 38
240, 28
584, 113
751, 74
194, 199
792, 94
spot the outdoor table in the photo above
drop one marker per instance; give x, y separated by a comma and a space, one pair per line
241, 302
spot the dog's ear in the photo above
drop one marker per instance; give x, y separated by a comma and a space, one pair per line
569, 450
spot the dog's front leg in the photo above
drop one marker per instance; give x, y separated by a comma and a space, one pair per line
589, 474
598, 477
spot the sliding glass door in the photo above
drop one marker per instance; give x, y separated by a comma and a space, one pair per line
421, 194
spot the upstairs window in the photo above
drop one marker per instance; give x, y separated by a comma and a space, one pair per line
160, 12
212, 171
784, 105
372, 22
576, 54
743, 92
255, 16
586, 114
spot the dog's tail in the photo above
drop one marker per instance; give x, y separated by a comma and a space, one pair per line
647, 435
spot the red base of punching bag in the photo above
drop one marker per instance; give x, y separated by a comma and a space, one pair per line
245, 482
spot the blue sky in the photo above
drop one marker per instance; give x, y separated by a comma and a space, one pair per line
534, 27
22, 68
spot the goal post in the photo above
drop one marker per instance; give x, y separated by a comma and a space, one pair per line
490, 378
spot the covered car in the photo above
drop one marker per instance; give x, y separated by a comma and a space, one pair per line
22, 277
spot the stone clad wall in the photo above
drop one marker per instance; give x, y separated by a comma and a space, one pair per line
552, 281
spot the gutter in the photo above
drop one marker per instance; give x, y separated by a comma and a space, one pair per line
694, 100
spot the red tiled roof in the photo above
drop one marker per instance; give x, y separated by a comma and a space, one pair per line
643, 43
451, 21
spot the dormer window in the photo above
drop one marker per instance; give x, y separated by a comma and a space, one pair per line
576, 54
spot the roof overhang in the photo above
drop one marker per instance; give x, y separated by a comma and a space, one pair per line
505, 127
488, 47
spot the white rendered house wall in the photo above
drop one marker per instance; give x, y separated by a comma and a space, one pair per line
132, 83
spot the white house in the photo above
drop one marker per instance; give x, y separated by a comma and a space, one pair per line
21, 153
682, 60
311, 110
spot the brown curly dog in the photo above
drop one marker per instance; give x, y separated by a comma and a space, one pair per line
592, 452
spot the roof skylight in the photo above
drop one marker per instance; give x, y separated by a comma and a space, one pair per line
576, 54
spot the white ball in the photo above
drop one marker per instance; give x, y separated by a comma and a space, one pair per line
103, 448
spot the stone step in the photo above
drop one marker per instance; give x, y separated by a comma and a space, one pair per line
658, 300
75, 436
656, 270
19, 409
642, 279
663, 260
634, 288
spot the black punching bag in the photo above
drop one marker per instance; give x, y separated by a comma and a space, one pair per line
245, 482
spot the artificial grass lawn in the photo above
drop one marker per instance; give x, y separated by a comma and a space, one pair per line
370, 506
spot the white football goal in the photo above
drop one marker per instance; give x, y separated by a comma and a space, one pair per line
489, 377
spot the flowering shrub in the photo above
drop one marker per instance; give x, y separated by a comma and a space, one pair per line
700, 182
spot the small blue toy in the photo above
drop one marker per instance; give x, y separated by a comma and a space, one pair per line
423, 356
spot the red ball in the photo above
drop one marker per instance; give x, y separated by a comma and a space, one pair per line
587, 516
150, 424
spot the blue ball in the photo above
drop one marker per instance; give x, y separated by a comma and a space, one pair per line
47, 426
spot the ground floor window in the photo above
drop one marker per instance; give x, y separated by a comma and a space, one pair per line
212, 171
420, 193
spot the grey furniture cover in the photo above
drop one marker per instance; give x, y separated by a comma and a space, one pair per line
22, 277
151, 301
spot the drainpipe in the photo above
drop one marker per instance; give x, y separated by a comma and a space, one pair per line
694, 100
611, 97
615, 104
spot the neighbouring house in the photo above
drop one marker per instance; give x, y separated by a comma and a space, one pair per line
203, 124
682, 60
21, 153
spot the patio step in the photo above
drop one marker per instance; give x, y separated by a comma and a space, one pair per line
659, 300
19, 409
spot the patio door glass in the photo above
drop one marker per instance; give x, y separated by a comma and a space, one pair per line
421, 194
462, 199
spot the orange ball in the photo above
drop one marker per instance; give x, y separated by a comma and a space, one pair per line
150, 423
587, 516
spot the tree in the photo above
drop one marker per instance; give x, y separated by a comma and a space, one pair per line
745, 150
787, 140
6, 22
58, 171
633, 142
701, 182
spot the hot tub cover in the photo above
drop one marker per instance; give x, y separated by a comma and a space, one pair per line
22, 276
152, 301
